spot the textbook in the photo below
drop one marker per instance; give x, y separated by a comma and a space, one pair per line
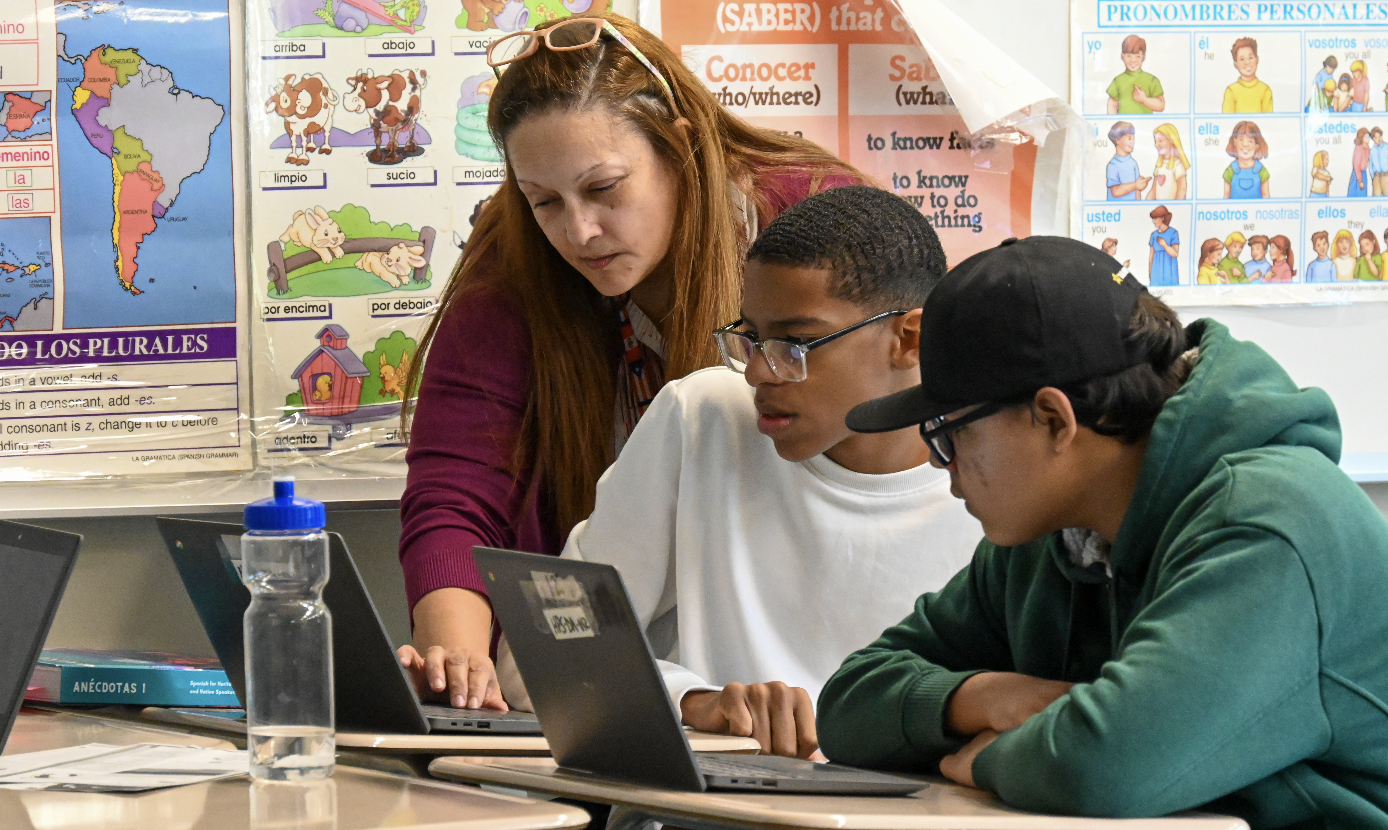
147, 678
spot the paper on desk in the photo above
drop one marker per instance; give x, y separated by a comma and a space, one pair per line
102, 768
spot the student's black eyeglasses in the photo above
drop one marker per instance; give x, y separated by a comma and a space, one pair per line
786, 357
936, 431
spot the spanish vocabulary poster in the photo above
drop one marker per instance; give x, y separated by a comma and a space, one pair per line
371, 162
1235, 151
122, 342
854, 78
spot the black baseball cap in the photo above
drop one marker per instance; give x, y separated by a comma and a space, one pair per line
1030, 313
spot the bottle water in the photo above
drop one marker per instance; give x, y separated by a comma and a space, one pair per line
289, 638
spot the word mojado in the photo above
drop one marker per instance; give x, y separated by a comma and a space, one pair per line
171, 344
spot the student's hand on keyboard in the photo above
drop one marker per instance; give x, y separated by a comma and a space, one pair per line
999, 701
959, 767
450, 660
779, 717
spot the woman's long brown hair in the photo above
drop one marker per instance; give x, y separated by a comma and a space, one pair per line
570, 421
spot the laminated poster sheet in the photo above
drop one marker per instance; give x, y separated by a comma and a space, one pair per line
122, 338
906, 92
1235, 151
360, 216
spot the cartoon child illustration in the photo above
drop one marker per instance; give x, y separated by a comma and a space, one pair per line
1343, 96
1169, 176
1110, 247
1369, 266
1378, 162
1320, 97
1344, 256
1320, 176
1247, 94
1359, 89
1256, 267
1166, 247
1321, 268
1125, 180
1230, 265
1210, 252
1283, 262
1246, 177
1359, 173
1134, 92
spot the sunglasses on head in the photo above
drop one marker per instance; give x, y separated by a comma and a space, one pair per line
570, 35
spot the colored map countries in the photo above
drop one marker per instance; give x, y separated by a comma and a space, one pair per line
26, 116
155, 134
144, 132
26, 275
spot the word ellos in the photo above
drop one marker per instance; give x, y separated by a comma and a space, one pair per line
1183, 13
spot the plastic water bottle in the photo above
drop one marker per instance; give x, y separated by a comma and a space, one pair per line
289, 638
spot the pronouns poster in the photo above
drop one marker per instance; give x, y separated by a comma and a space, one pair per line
1235, 151
854, 78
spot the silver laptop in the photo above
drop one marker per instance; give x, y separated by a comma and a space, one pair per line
598, 692
372, 691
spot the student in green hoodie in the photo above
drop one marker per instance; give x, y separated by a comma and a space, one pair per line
1180, 599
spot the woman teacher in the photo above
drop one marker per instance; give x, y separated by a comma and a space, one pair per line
600, 269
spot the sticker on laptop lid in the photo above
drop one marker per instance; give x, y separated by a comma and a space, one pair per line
562, 603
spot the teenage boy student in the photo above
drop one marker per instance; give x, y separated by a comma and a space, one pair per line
759, 538
1133, 91
1179, 602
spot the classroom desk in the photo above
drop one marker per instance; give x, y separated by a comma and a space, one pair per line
351, 799
940, 805
435, 743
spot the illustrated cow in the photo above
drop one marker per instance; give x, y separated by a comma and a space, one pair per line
307, 107
392, 105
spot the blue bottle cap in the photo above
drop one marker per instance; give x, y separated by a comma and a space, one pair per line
285, 512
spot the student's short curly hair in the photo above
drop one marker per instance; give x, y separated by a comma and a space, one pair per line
881, 252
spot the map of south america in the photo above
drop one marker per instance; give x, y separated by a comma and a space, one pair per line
155, 134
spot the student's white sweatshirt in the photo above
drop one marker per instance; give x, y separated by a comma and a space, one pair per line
746, 567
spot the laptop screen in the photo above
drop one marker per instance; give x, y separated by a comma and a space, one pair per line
32, 585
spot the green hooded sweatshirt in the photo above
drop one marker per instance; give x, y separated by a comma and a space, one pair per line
1236, 660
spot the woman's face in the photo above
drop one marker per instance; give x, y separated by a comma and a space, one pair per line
1276, 253
1246, 146
1343, 246
1163, 143
1215, 256
604, 199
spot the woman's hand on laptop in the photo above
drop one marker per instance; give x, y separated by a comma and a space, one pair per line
450, 659
779, 717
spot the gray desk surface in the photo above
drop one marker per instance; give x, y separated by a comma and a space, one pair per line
940, 805
353, 799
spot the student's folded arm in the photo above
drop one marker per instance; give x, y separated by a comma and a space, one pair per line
1215, 687
885, 707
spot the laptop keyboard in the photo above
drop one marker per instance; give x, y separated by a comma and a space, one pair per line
732, 768
450, 713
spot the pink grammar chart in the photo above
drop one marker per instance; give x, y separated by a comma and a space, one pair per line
1235, 152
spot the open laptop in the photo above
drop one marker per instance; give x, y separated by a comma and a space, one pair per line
598, 692
372, 691
35, 564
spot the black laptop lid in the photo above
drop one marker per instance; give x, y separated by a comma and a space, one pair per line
35, 564
371, 689
592, 679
